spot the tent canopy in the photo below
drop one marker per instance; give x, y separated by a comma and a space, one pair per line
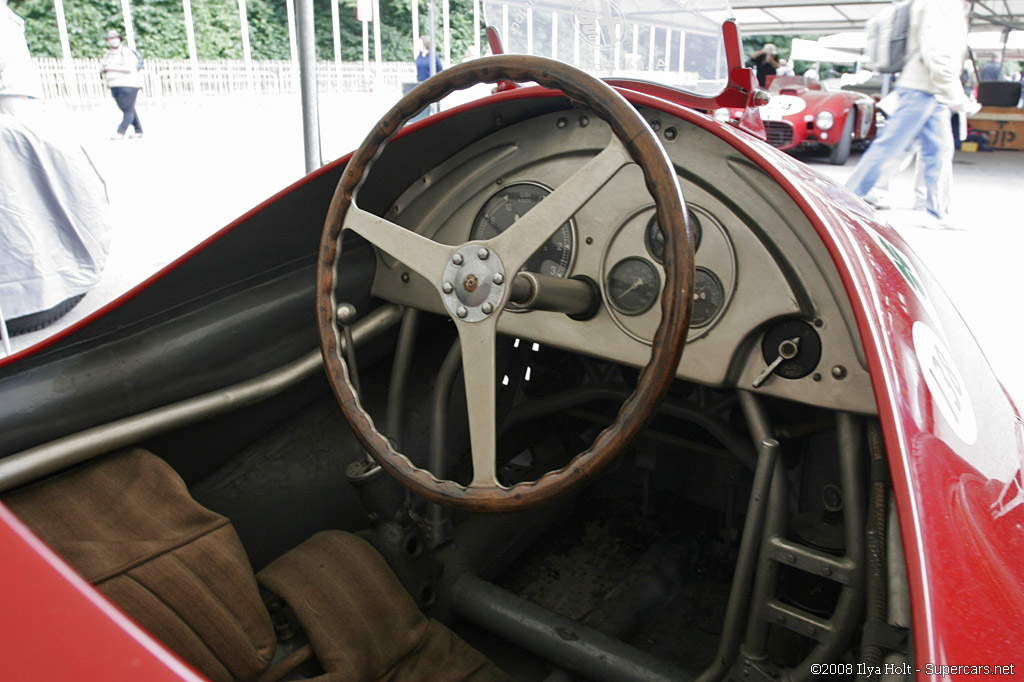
795, 17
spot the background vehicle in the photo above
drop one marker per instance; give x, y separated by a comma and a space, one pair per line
829, 475
54, 224
802, 115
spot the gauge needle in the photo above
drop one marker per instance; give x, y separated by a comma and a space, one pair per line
638, 283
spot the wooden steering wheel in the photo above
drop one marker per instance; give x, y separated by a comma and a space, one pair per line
474, 282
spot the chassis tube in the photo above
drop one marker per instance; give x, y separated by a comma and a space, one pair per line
51, 457
556, 638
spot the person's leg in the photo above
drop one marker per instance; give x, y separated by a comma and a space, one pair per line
935, 171
135, 123
876, 165
125, 98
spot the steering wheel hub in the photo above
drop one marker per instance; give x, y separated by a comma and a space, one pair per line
473, 283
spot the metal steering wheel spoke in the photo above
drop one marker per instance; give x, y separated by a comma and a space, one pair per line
517, 243
424, 256
479, 371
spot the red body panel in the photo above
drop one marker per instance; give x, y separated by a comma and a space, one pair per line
961, 533
59, 628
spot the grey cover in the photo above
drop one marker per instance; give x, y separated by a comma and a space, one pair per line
54, 220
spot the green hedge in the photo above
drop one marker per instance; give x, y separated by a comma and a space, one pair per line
160, 28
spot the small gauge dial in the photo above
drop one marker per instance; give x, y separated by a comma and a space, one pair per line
509, 204
654, 238
633, 286
708, 297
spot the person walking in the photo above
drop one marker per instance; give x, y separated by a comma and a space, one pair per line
122, 72
928, 90
765, 63
19, 78
423, 65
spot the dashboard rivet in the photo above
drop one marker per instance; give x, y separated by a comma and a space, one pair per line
461, 311
483, 254
584, 121
839, 372
447, 287
457, 259
405, 277
670, 133
817, 376
791, 558
487, 308
655, 125
498, 278
562, 122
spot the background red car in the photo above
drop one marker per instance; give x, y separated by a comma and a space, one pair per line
804, 115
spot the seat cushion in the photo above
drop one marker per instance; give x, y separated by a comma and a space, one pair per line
362, 624
127, 523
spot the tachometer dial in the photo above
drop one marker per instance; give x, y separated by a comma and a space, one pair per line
708, 297
654, 238
509, 204
633, 286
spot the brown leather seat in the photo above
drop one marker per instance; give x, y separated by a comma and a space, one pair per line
127, 523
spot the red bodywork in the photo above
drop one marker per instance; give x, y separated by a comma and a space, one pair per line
958, 502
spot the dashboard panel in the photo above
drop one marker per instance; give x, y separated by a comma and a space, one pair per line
765, 285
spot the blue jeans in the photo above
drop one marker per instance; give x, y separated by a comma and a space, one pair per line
125, 98
919, 117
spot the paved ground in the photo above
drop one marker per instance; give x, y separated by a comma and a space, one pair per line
204, 162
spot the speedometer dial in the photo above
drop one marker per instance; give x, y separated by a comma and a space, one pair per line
633, 286
509, 204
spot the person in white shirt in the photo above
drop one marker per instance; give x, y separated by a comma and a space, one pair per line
121, 73
928, 90
19, 78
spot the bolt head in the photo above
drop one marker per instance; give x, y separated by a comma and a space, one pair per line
461, 311
447, 287
346, 313
483, 253
457, 259
498, 278
487, 308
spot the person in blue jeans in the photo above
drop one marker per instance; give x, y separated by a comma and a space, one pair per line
928, 89
120, 67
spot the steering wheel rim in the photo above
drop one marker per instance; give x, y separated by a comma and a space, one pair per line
641, 147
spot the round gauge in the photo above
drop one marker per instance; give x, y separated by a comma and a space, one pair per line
708, 297
654, 238
509, 204
633, 286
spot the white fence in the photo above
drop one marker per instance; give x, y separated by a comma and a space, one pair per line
80, 80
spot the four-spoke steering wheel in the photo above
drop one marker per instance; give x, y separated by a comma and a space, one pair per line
474, 282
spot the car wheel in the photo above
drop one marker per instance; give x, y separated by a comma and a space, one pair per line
44, 318
841, 151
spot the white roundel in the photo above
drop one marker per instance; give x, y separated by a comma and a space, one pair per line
945, 383
782, 105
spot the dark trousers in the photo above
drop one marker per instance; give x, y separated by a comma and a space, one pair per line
125, 98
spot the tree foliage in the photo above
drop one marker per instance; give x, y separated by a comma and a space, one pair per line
160, 28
